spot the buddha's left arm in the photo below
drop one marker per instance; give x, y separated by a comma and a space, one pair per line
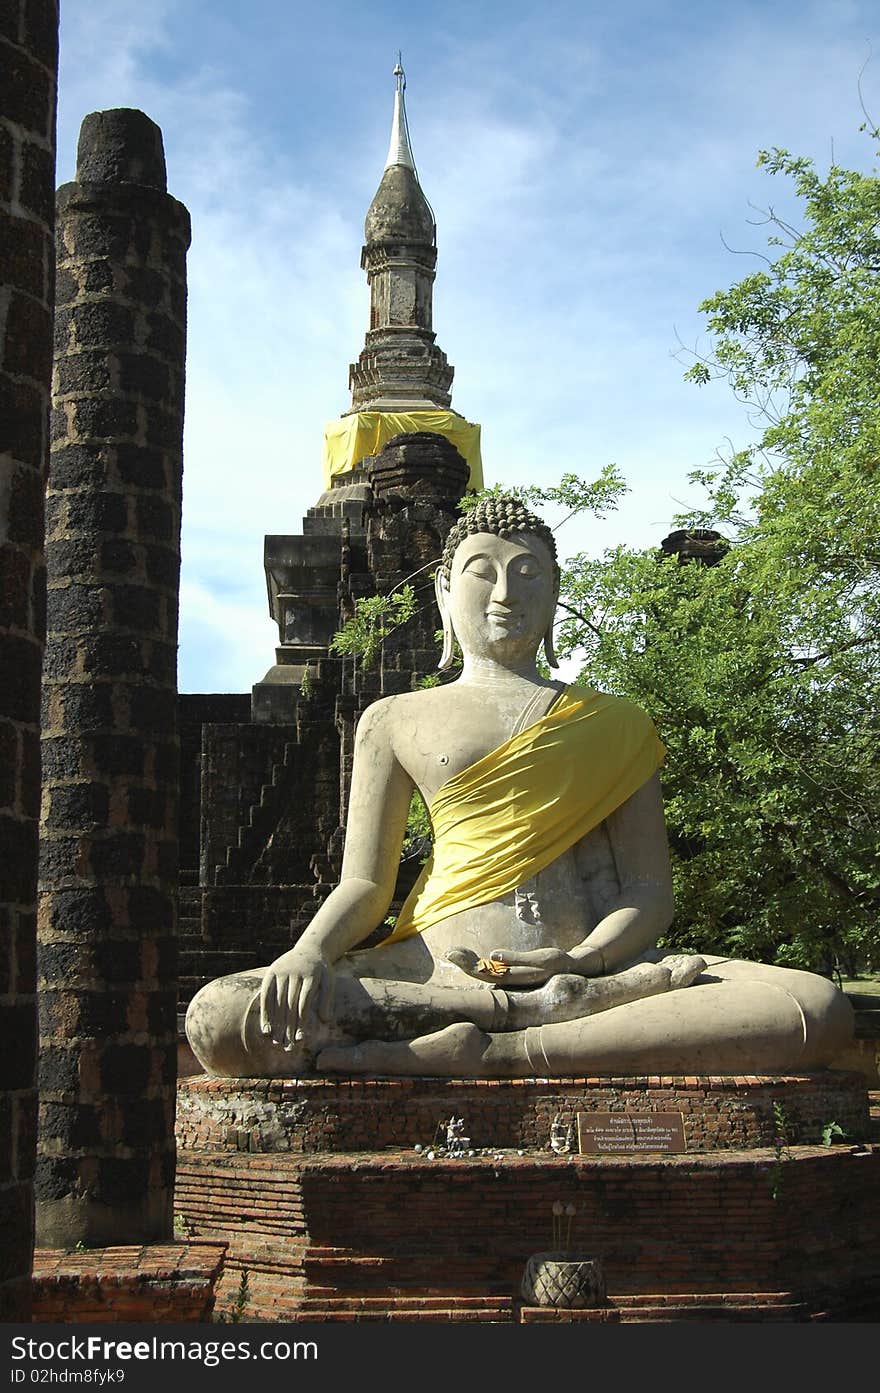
644, 906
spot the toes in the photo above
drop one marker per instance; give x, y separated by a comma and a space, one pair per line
684, 968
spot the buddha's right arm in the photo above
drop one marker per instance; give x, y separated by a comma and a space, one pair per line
301, 980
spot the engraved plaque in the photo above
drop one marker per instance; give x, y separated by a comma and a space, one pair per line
634, 1133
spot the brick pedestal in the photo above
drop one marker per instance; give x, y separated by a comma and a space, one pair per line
309, 1183
308, 1116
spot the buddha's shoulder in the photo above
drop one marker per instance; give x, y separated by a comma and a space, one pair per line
420, 705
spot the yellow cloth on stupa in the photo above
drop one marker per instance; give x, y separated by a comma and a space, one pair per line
349, 438
513, 812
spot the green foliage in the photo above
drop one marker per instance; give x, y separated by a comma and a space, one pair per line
762, 672
182, 1227
418, 823
374, 618
832, 1131
574, 495
781, 1148
237, 1312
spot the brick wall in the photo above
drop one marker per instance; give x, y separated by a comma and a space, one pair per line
28, 68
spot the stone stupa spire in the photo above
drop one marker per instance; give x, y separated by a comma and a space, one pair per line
401, 368
399, 148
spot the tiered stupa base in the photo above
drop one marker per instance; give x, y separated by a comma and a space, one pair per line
318, 1189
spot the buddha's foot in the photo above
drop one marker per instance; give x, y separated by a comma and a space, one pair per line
684, 968
569, 997
455, 1052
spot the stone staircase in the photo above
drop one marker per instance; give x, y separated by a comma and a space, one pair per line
259, 1212
245, 859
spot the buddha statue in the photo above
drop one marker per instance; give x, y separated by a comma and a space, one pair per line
528, 945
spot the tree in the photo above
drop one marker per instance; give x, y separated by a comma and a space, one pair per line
763, 670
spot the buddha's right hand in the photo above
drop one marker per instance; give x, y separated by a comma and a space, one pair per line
297, 991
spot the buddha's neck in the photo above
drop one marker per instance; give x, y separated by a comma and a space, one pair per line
484, 672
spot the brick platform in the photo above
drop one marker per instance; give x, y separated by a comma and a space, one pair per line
159, 1282
367, 1237
312, 1116
349, 1232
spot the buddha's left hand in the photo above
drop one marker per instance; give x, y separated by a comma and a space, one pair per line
524, 968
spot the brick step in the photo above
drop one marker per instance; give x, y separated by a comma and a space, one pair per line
225, 1205
238, 1172
660, 1315
354, 1267
552, 1315
192, 1201
400, 1301
453, 1315
192, 1196
219, 1216
733, 1306
451, 1306
268, 1297
220, 1229
714, 1298
247, 1261
237, 1195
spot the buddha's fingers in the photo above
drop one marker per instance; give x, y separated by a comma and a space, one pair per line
269, 1003
540, 963
498, 974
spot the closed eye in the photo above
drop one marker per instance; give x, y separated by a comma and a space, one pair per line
480, 570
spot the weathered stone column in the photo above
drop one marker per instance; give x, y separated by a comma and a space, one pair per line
108, 868
28, 68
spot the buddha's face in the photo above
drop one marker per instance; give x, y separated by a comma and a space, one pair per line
501, 595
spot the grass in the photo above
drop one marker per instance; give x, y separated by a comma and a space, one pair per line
869, 985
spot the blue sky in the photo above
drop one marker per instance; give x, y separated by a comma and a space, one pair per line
586, 163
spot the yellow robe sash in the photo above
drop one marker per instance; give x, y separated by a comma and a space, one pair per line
513, 812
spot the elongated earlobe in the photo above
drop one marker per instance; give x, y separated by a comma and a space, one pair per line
448, 653
442, 593
549, 650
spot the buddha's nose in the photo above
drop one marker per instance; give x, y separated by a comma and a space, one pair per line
501, 589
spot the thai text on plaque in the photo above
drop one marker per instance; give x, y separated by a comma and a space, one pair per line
630, 1132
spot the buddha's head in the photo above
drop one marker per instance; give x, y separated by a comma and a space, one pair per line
498, 583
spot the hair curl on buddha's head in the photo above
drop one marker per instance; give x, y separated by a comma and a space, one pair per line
501, 515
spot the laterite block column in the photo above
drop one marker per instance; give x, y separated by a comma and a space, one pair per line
109, 859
